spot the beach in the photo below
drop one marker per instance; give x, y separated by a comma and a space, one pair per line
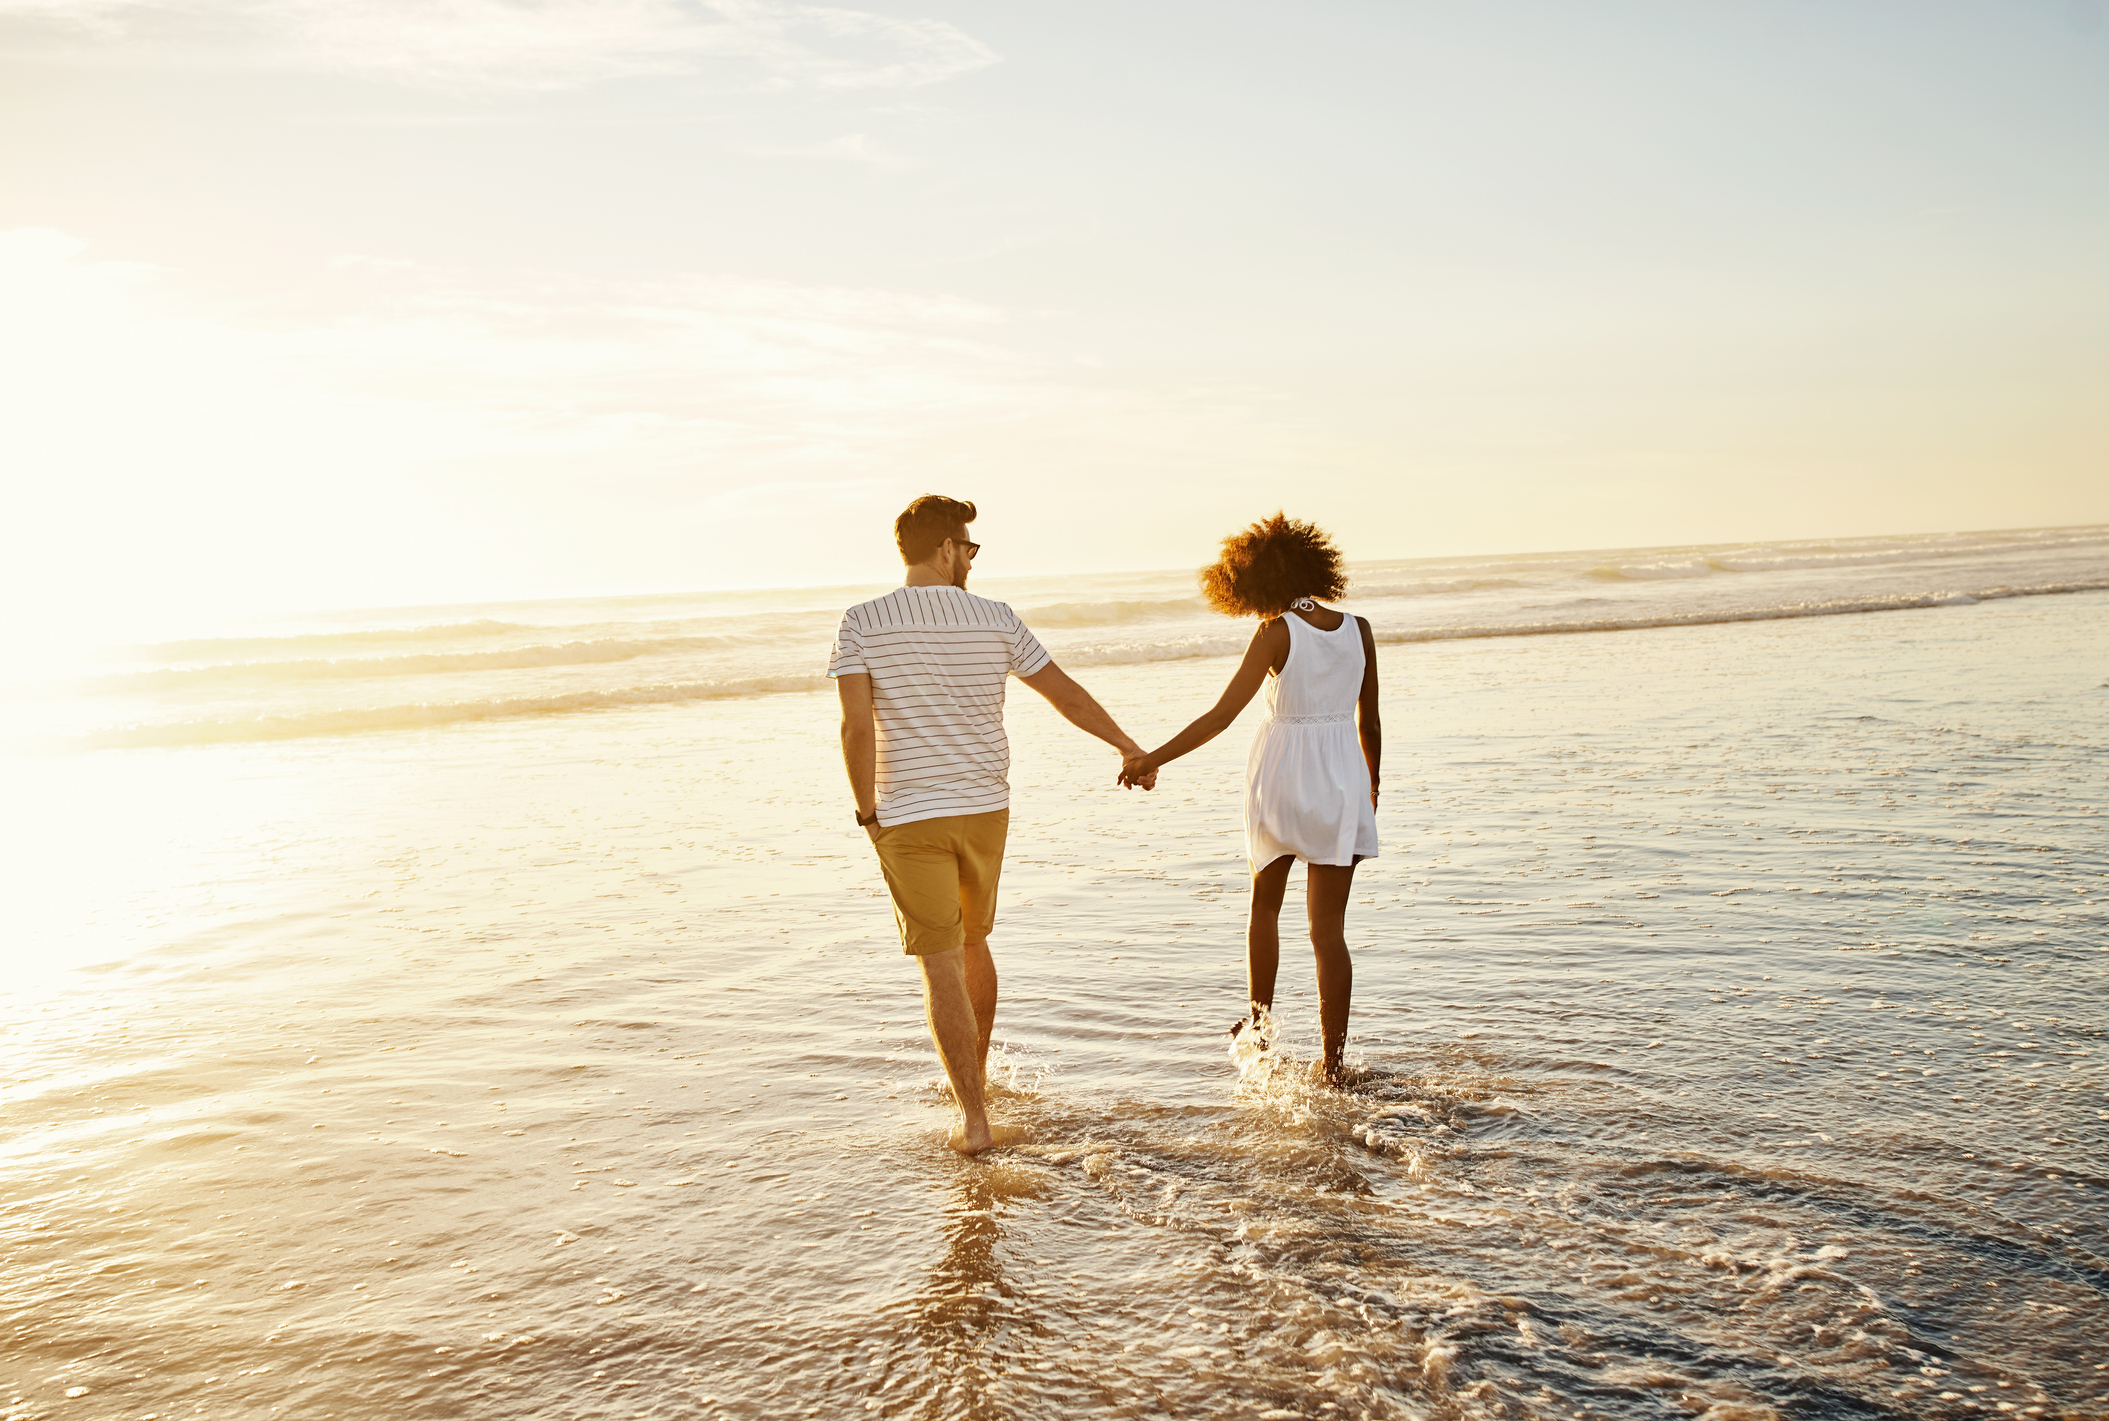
521, 1030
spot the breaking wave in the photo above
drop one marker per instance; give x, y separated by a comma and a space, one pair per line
434, 714
429, 715
350, 674
1086, 614
1821, 557
250, 648
1361, 589
1655, 571
1899, 602
570, 653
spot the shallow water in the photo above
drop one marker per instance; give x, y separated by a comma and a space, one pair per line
1728, 1005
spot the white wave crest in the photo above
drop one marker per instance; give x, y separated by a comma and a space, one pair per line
1818, 559
1897, 602
1655, 571
1428, 587
1129, 653
570, 653
1075, 614
430, 714
254, 648
1795, 562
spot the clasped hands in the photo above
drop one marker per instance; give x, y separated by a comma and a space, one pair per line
1137, 770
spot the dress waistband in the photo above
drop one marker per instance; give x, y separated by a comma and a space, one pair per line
1310, 719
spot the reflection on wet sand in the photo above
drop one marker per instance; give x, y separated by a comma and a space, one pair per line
964, 1314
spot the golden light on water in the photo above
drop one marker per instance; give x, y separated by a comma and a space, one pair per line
479, 1034
441, 976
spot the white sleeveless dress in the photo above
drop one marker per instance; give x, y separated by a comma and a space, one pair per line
1306, 783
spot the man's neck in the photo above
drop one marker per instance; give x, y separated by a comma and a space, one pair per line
920, 576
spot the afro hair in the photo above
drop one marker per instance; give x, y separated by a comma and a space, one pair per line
1267, 566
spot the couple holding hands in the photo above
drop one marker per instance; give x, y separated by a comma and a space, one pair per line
921, 673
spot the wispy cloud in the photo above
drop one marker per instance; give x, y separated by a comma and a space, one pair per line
515, 362
849, 148
458, 421
504, 44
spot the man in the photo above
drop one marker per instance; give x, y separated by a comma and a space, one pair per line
921, 675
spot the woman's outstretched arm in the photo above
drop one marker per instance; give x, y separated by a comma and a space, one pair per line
1268, 649
1368, 723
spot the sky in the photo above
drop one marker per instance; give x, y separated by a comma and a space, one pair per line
314, 303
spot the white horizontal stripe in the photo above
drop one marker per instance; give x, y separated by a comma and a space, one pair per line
939, 659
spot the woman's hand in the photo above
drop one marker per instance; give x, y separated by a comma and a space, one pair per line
1137, 771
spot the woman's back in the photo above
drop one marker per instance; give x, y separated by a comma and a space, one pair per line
1306, 782
1322, 676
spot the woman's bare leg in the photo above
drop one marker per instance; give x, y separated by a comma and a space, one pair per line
1263, 946
1327, 889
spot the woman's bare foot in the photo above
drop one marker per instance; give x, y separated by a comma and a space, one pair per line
1338, 1074
1259, 1022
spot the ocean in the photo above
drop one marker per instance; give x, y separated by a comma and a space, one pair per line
491, 1011
412, 668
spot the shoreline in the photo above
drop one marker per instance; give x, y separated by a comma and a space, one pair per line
424, 716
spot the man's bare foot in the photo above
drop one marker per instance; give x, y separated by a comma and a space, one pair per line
993, 1137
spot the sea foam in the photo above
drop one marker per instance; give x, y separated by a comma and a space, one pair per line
379, 671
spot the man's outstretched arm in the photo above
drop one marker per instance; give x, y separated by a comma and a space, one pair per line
1077, 706
860, 742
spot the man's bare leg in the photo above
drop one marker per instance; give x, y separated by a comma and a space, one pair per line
1327, 889
981, 990
955, 1032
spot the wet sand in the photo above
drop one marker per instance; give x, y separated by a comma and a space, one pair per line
1728, 1010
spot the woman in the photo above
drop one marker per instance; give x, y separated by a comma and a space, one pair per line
1310, 789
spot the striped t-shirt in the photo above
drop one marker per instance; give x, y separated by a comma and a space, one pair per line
937, 658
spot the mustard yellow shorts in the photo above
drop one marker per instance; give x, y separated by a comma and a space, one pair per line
942, 874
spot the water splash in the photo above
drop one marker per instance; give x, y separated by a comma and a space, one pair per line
1252, 1048
1014, 1071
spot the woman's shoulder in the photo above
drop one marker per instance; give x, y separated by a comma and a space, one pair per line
1271, 639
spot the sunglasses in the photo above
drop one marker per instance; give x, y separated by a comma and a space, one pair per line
972, 548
